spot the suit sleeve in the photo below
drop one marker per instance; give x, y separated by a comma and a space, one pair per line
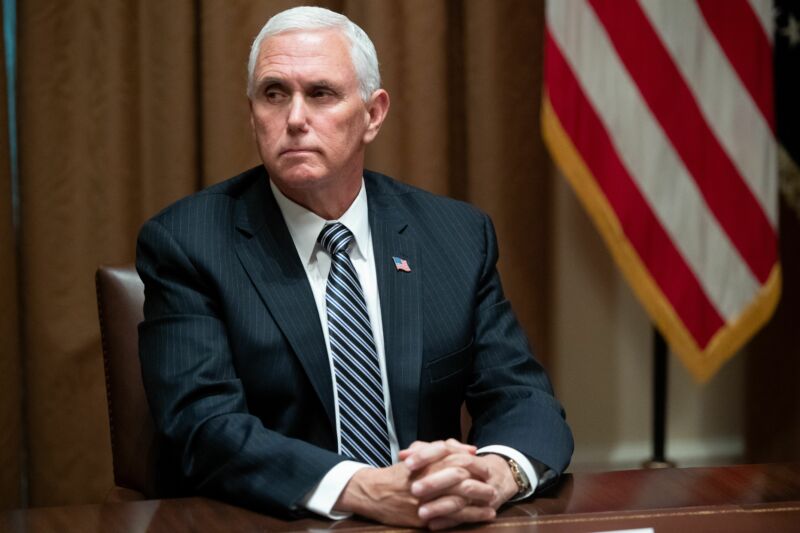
510, 397
197, 399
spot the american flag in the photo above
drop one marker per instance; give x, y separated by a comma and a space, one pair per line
660, 115
401, 264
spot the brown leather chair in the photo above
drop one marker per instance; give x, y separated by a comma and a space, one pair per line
120, 299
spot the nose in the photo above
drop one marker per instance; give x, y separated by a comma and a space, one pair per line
298, 118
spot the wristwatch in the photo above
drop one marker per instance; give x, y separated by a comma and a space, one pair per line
523, 484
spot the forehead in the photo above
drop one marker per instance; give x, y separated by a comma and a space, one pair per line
305, 52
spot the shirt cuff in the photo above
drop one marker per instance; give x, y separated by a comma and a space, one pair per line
325, 494
524, 464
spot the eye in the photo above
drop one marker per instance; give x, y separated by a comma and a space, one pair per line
322, 93
274, 95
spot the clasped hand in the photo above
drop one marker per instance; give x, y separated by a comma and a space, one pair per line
435, 485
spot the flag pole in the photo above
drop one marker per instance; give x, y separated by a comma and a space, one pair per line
660, 375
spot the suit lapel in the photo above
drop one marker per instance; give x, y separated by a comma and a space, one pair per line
268, 254
401, 309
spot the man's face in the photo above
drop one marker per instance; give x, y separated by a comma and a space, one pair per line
310, 123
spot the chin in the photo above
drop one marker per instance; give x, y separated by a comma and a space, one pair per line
299, 178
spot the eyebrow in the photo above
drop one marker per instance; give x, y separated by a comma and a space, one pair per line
264, 82
325, 84
273, 80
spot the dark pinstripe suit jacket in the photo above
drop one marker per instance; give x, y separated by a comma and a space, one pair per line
235, 365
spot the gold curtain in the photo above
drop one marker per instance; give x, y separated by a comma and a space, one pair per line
10, 371
126, 106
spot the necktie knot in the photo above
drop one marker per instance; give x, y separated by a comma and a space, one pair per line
335, 238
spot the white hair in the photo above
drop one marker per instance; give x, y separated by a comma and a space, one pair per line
362, 51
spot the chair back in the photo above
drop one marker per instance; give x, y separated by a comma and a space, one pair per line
120, 301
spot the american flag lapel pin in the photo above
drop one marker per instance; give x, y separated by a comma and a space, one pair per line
401, 264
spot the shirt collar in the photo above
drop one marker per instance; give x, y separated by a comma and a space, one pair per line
304, 225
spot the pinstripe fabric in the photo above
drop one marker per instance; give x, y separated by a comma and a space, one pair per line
362, 412
234, 359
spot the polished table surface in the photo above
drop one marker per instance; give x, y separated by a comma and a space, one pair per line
731, 499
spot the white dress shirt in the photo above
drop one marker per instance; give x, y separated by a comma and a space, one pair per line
304, 227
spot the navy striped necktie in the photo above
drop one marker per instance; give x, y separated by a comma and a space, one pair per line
362, 413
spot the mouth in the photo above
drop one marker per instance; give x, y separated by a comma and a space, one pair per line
297, 151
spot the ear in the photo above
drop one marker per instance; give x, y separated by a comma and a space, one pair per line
252, 119
377, 108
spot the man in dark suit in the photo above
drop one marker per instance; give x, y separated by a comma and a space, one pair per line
312, 328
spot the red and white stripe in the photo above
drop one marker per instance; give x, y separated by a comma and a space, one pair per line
669, 106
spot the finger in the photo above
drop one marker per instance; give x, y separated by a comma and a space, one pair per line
475, 491
438, 482
454, 484
479, 467
453, 445
422, 456
413, 447
418, 444
458, 446
444, 506
442, 523
468, 514
455, 508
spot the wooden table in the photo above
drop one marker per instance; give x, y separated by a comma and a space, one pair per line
731, 499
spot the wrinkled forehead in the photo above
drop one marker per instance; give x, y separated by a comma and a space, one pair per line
326, 48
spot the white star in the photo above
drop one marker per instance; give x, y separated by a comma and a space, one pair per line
792, 31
